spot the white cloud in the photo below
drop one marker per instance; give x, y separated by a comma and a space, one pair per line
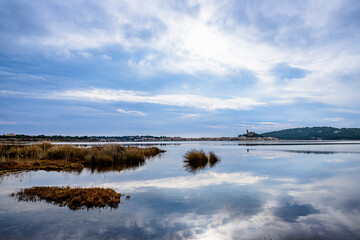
213, 41
9, 93
334, 119
185, 100
189, 115
342, 110
85, 55
106, 57
135, 113
198, 43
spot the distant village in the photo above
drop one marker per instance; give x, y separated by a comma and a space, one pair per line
12, 137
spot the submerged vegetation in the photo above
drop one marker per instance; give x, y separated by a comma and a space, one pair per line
74, 198
196, 160
49, 157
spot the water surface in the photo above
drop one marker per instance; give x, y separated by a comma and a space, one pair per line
292, 190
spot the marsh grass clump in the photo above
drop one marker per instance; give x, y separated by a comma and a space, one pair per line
67, 157
116, 155
196, 160
106, 155
26, 151
74, 198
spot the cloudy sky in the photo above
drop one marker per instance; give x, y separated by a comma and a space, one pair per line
178, 68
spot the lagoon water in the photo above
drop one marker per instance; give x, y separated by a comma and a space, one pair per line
282, 190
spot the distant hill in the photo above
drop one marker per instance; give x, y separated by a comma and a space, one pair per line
314, 133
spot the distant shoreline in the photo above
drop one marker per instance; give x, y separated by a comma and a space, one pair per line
294, 134
251, 142
42, 138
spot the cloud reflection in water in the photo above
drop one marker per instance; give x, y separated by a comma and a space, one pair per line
247, 196
189, 182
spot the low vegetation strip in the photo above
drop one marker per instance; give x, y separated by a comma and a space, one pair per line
49, 157
196, 160
74, 198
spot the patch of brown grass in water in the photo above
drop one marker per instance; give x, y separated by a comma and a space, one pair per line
196, 160
74, 198
50, 157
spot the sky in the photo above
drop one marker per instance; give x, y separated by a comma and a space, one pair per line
177, 68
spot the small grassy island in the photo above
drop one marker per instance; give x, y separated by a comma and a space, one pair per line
196, 160
49, 157
74, 198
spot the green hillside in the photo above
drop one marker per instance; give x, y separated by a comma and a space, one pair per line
313, 133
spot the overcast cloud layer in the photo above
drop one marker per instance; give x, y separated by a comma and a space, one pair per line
189, 68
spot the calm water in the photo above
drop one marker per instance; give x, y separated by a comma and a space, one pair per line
283, 190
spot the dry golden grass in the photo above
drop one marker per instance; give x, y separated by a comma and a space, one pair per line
47, 165
196, 160
74, 198
67, 157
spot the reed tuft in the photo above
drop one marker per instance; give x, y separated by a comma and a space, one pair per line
196, 160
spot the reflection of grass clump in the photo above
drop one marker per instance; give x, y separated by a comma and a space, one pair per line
213, 159
197, 159
67, 157
74, 198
